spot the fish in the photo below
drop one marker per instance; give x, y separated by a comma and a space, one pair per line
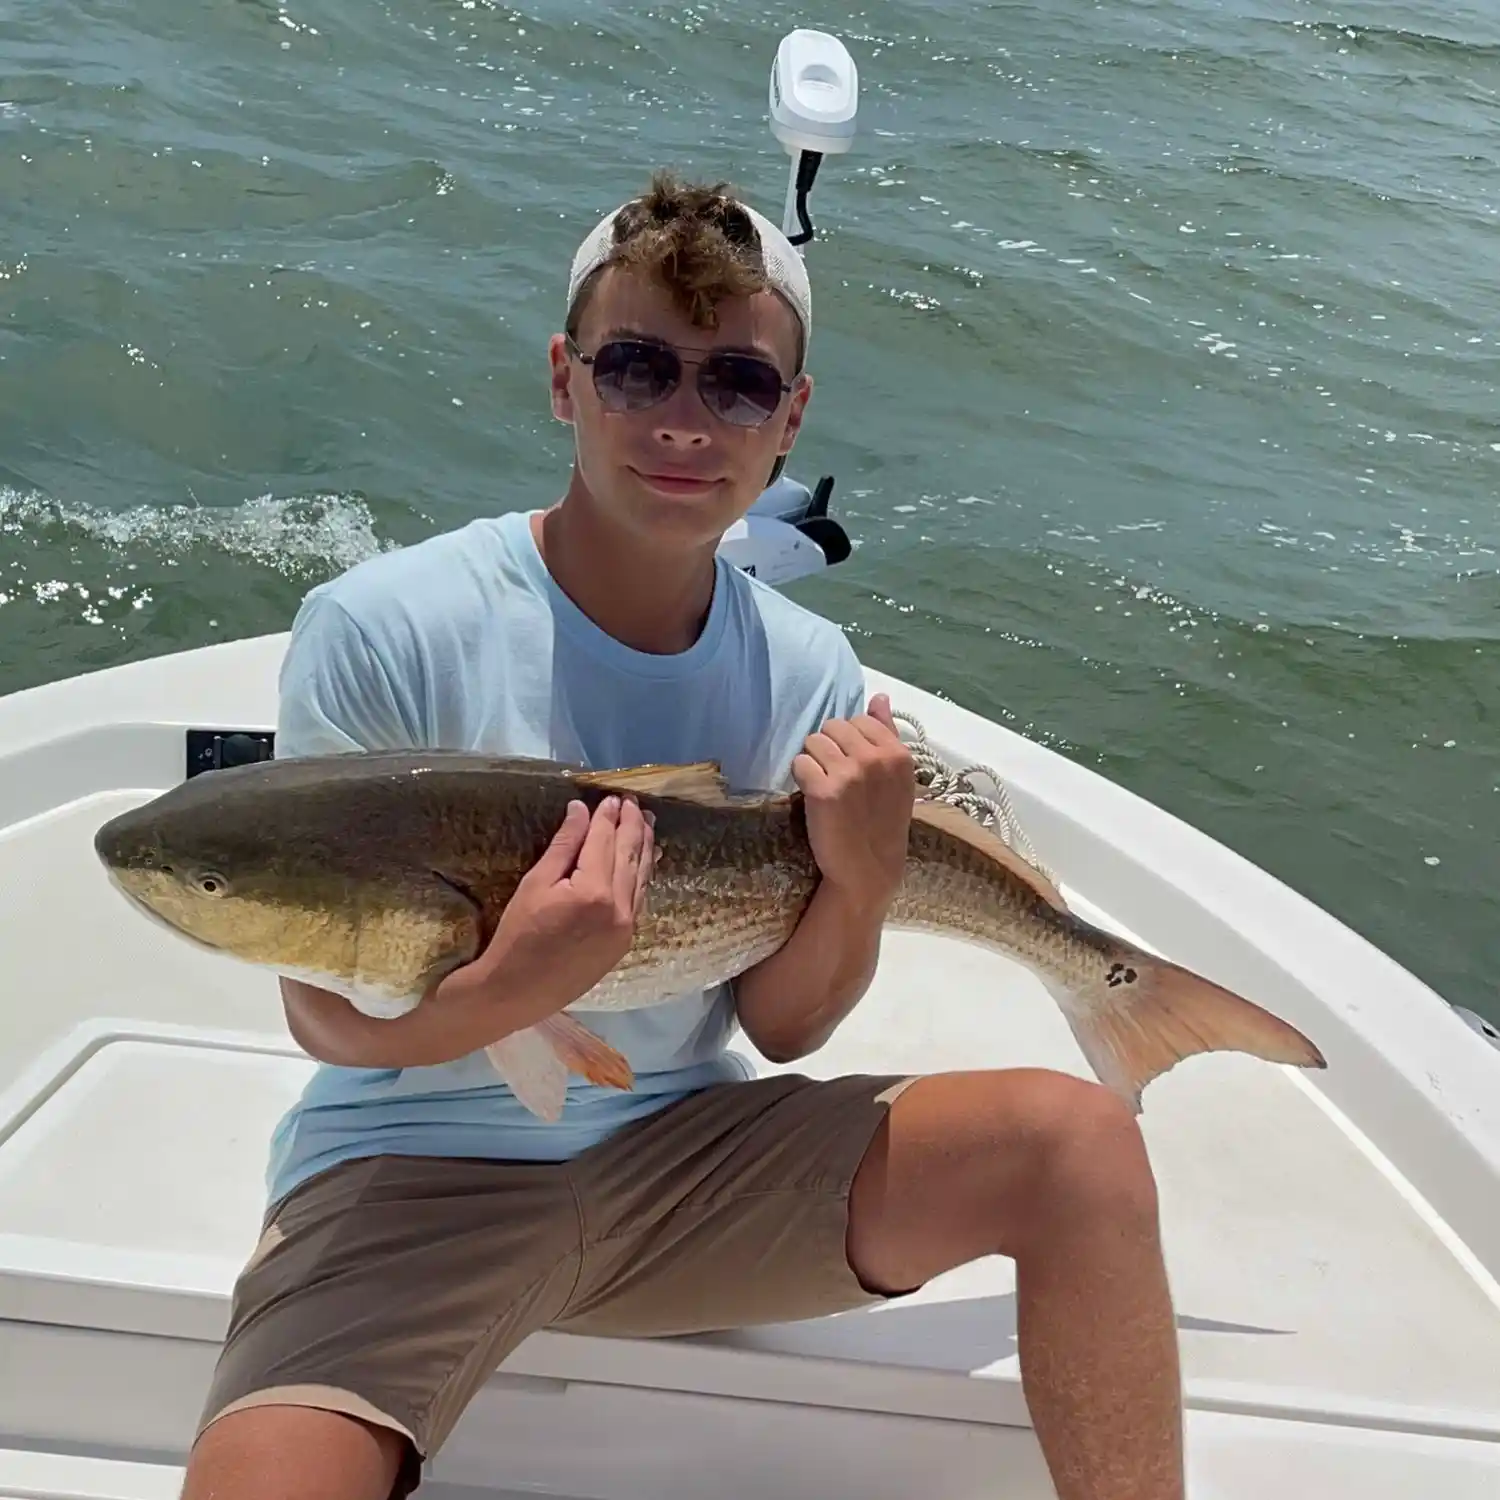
375, 873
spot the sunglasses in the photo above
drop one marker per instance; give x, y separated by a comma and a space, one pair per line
633, 374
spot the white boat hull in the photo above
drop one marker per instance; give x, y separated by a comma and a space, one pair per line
1333, 1238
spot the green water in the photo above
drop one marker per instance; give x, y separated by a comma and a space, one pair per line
1155, 353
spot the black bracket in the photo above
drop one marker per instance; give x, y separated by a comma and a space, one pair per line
817, 525
218, 749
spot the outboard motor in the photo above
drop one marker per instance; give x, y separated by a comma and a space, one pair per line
787, 534
813, 103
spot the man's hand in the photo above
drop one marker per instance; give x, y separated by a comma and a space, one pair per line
858, 782
571, 920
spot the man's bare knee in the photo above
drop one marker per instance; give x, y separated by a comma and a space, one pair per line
294, 1453
1015, 1161
1091, 1169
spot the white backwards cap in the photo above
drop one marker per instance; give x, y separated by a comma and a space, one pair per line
784, 268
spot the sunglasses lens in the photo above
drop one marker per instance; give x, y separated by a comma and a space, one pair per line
740, 388
629, 375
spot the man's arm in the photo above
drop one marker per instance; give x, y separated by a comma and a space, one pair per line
858, 783
326, 1026
459, 1016
792, 1002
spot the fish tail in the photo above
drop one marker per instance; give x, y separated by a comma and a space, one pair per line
1143, 1015
583, 1052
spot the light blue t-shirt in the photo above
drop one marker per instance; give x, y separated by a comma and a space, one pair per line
464, 641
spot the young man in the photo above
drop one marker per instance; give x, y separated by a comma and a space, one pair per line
423, 1223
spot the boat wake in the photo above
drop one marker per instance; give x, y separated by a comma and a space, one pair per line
294, 535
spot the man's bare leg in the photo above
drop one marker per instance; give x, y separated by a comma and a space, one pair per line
293, 1453
1051, 1171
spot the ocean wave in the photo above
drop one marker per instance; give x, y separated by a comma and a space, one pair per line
1396, 40
296, 536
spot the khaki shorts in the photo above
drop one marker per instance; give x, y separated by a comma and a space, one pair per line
390, 1288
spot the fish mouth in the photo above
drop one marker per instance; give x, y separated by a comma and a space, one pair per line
147, 910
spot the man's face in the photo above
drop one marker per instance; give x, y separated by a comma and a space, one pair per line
675, 469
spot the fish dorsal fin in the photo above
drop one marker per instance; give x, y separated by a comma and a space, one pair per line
944, 817
699, 781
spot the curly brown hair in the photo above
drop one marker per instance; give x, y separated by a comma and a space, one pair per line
692, 237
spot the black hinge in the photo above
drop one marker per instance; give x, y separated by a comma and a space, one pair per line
217, 749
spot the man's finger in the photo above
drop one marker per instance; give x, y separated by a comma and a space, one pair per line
807, 773
824, 749
630, 842
877, 724
597, 857
557, 858
847, 735
646, 865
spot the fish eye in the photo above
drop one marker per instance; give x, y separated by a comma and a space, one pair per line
211, 883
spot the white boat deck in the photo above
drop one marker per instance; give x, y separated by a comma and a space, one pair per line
1333, 1239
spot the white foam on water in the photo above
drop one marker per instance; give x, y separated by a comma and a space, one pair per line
294, 534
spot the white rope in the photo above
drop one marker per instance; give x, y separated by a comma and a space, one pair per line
945, 784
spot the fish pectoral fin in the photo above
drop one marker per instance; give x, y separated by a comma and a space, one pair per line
695, 781
535, 1063
583, 1052
530, 1064
944, 817
407, 938
439, 930
1157, 1013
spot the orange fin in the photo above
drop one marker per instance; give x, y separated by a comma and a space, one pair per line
583, 1052
699, 781
529, 1063
944, 817
1157, 1013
